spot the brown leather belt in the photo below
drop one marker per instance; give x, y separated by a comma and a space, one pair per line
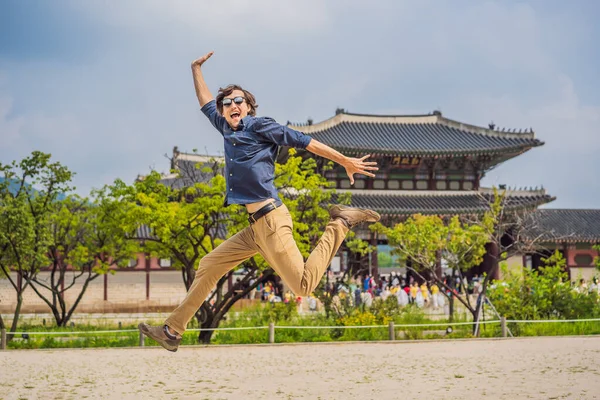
252, 218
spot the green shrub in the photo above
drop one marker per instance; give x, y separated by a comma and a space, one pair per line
542, 294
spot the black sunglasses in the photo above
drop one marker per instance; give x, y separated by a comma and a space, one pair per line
237, 100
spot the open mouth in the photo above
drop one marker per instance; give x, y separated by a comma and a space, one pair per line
234, 115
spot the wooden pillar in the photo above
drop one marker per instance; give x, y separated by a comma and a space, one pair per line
271, 332
431, 182
374, 263
147, 258
490, 260
566, 255
105, 286
494, 255
438, 265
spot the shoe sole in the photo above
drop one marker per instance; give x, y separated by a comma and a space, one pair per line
375, 216
142, 328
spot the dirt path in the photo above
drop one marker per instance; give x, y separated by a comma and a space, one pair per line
536, 368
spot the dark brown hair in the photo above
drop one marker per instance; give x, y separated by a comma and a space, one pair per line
226, 91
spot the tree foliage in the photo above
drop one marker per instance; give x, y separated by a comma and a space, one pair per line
421, 240
86, 240
545, 293
27, 194
188, 221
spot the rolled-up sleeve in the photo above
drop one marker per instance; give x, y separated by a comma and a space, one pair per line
216, 119
280, 134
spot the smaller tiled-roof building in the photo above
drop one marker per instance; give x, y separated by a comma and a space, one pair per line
571, 231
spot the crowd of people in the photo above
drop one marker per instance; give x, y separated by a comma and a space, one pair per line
363, 289
583, 287
408, 290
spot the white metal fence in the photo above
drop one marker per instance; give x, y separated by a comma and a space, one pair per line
272, 327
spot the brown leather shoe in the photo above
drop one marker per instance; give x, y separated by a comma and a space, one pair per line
353, 216
158, 334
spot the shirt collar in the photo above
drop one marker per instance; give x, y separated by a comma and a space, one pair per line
245, 123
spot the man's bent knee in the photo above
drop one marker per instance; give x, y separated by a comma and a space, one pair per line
202, 268
303, 289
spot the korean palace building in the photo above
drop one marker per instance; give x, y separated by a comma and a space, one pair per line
431, 164
428, 164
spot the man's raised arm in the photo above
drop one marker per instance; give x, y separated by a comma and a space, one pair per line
352, 165
202, 92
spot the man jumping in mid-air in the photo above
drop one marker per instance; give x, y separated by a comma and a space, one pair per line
251, 145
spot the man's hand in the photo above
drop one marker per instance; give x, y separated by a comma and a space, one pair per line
359, 166
202, 91
202, 59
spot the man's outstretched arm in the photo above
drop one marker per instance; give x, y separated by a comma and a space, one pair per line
202, 92
352, 165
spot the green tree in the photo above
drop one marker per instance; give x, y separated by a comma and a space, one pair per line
27, 193
306, 194
597, 259
86, 239
542, 294
420, 240
463, 241
16, 242
189, 222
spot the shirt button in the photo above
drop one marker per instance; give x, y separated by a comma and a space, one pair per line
234, 144
231, 159
231, 190
230, 174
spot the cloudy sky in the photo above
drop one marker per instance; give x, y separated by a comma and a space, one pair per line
105, 85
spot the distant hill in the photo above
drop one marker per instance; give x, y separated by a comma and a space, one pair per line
14, 184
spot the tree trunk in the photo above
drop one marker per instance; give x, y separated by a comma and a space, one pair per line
475, 315
62, 314
2, 323
79, 297
15, 321
205, 336
451, 308
210, 316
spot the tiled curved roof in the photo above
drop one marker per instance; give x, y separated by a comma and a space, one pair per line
399, 203
566, 225
419, 135
190, 173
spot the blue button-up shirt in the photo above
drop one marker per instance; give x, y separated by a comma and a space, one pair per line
250, 154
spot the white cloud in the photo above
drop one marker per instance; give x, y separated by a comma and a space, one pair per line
231, 19
117, 110
567, 164
10, 126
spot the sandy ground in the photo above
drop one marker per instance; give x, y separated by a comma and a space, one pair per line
537, 368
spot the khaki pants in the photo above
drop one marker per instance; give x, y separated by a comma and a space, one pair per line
272, 237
